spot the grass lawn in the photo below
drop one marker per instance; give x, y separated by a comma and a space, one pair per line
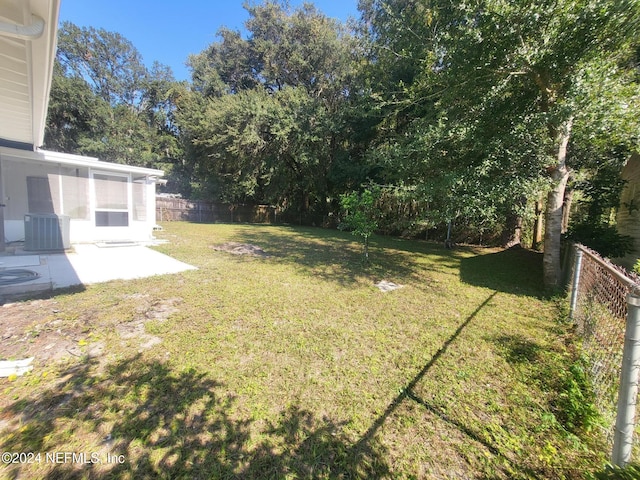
295, 366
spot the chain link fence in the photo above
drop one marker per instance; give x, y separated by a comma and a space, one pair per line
599, 291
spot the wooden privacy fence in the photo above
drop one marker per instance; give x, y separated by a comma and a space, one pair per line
179, 209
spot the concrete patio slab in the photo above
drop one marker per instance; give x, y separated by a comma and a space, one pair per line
88, 264
92, 264
19, 261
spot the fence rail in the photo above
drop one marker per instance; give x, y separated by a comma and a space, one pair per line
601, 296
169, 209
179, 209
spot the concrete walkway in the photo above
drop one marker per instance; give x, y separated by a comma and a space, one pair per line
87, 264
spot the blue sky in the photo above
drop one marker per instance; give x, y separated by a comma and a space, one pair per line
169, 31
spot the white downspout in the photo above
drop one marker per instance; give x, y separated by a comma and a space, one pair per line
23, 32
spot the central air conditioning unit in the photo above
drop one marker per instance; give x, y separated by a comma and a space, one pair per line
45, 231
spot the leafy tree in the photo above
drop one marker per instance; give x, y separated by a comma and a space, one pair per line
105, 103
231, 131
266, 118
227, 66
106, 60
360, 214
285, 48
125, 139
303, 48
265, 147
491, 72
76, 114
593, 223
456, 155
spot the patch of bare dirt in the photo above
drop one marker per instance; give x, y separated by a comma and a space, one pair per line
34, 329
147, 309
240, 249
40, 329
135, 330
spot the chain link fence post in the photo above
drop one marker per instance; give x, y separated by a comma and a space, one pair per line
625, 417
577, 270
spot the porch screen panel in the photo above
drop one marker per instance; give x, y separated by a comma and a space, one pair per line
139, 200
15, 190
75, 193
112, 200
39, 195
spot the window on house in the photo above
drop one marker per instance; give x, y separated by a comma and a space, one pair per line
112, 200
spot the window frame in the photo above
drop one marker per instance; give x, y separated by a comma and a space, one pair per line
107, 211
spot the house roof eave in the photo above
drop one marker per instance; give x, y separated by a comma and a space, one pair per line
28, 41
46, 156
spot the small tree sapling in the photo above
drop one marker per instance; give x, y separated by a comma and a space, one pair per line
360, 214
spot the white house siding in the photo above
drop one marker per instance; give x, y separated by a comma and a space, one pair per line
79, 189
628, 217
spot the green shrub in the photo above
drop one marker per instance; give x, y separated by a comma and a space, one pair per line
575, 403
602, 238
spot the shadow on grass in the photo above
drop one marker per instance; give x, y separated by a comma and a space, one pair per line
338, 256
176, 425
408, 393
517, 349
516, 270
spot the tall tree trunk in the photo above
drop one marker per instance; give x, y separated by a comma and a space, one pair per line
552, 269
537, 226
512, 234
566, 209
366, 249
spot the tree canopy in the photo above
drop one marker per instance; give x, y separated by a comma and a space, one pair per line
106, 103
266, 115
463, 112
490, 93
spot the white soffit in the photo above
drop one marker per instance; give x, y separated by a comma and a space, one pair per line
68, 159
28, 34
